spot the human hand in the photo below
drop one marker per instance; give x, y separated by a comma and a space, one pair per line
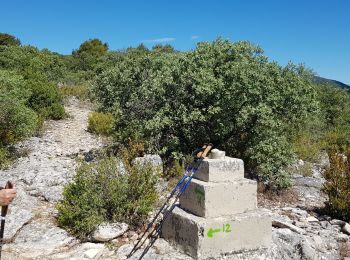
7, 195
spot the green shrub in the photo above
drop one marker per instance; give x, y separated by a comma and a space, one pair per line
306, 147
101, 123
89, 57
10, 153
9, 40
17, 121
337, 186
46, 99
56, 111
31, 62
335, 108
174, 170
337, 139
93, 47
328, 129
26, 95
335, 105
107, 192
129, 151
222, 92
13, 85
4, 158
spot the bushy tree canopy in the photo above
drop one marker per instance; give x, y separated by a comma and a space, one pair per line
335, 104
32, 62
93, 47
167, 48
90, 54
223, 92
9, 40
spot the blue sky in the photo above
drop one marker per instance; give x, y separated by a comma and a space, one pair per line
316, 33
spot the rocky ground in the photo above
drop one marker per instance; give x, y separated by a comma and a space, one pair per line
300, 231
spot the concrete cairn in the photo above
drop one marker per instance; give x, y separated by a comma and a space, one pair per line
218, 212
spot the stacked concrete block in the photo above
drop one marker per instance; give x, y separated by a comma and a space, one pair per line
218, 212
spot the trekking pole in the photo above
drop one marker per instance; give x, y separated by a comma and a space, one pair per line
3, 217
156, 232
141, 241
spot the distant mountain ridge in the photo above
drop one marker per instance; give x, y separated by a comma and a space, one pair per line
320, 80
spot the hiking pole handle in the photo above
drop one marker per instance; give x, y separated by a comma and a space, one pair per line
204, 153
199, 151
9, 185
200, 158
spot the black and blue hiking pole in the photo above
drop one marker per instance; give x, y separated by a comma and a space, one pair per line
3, 217
141, 241
167, 208
164, 206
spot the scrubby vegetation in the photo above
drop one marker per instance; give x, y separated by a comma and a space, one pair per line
223, 92
17, 120
229, 94
107, 191
79, 91
8, 40
45, 99
101, 123
171, 102
28, 94
29, 80
337, 186
328, 130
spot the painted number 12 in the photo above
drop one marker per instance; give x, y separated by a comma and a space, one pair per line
226, 228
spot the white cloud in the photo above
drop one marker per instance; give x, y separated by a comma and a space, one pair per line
193, 37
160, 40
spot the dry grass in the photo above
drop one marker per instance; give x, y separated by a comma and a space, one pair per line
271, 199
79, 91
344, 250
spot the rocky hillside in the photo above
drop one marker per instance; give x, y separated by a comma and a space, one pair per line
300, 230
320, 80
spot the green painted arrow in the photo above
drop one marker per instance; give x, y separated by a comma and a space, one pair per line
212, 231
